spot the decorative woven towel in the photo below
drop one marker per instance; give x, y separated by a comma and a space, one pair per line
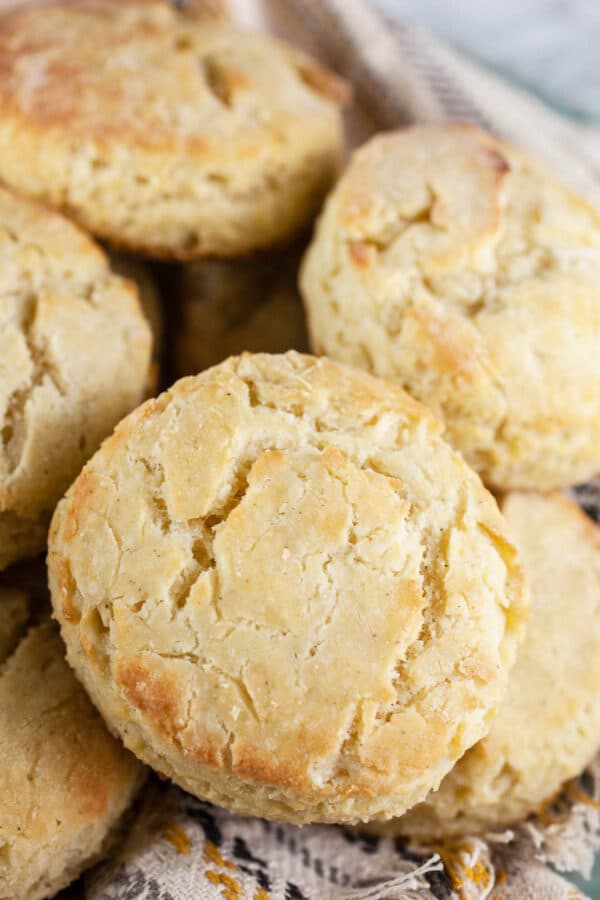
179, 848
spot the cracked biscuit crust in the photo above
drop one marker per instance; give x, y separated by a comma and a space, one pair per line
459, 268
74, 355
163, 134
64, 781
548, 726
286, 592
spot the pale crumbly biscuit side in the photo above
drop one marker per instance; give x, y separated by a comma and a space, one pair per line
65, 783
74, 356
456, 266
286, 592
230, 307
163, 134
548, 726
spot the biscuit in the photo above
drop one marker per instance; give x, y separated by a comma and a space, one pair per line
286, 592
456, 266
167, 135
64, 781
74, 355
548, 726
229, 307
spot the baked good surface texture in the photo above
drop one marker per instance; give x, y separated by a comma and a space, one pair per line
286, 592
64, 781
74, 356
461, 269
167, 135
548, 726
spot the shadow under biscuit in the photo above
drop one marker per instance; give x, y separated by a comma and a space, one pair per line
228, 307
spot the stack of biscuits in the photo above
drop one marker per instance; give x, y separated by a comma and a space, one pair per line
345, 587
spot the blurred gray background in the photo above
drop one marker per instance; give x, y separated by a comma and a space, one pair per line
552, 47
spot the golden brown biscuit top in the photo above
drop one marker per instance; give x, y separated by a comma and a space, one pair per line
38, 246
548, 725
461, 215
279, 569
59, 301
64, 781
452, 263
142, 74
42, 653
